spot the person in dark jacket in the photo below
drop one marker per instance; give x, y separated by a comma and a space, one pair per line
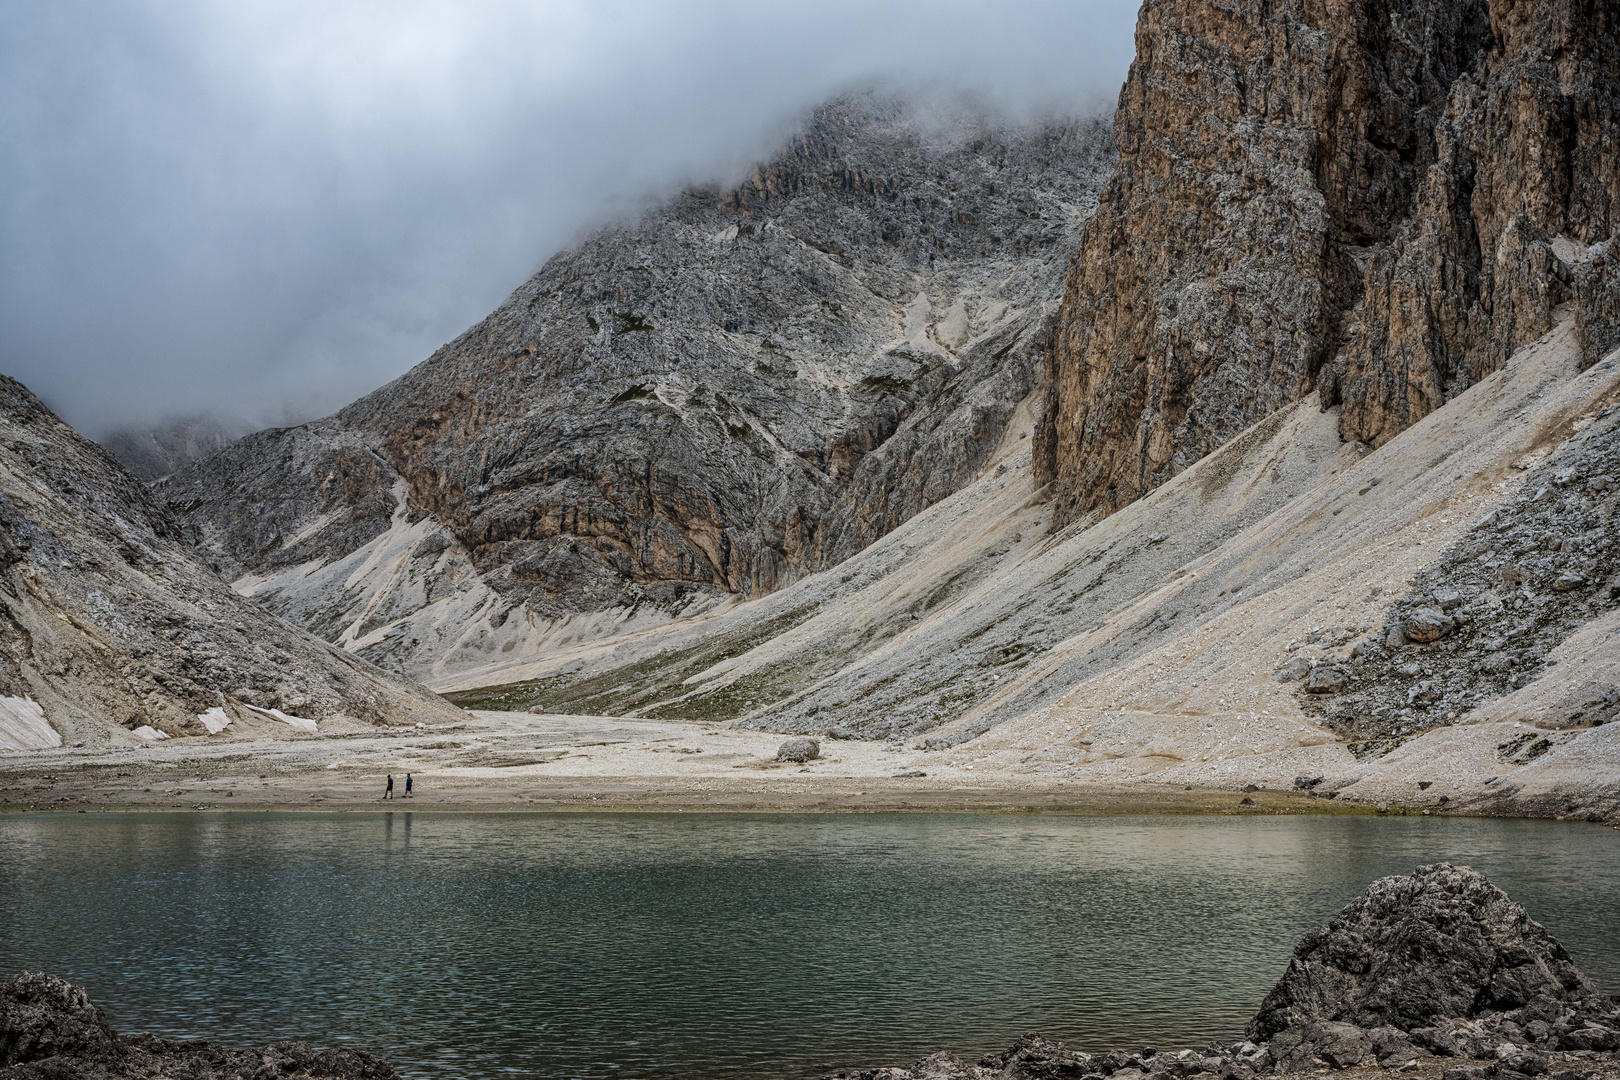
408, 794
388, 792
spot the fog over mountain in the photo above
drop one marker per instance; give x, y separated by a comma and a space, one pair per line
262, 209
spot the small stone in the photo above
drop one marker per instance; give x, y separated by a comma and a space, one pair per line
1305, 783
538, 710
1296, 669
1428, 625
800, 749
1325, 679
1568, 580
1447, 599
1245, 801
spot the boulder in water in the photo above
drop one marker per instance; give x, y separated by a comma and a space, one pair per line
1443, 943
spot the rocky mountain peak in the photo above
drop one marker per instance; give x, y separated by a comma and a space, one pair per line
746, 384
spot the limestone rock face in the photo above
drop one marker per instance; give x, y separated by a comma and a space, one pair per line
109, 625
1443, 943
743, 386
1377, 200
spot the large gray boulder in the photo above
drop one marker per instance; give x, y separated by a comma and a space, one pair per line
42, 1016
51, 1030
799, 749
1441, 944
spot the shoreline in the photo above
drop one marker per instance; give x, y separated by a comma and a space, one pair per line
520, 762
1079, 800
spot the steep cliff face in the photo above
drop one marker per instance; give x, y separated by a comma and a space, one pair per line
742, 386
1377, 200
111, 631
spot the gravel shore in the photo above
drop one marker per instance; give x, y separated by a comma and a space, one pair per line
504, 761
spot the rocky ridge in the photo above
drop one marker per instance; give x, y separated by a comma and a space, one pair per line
111, 631
1374, 201
50, 1029
1440, 964
746, 385
151, 453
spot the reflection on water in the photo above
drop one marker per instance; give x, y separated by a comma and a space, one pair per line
686, 945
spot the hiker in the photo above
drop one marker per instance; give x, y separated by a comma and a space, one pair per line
408, 794
388, 792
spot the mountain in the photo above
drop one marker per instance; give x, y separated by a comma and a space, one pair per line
745, 385
1249, 622
151, 453
1376, 202
1323, 484
1310, 479
111, 631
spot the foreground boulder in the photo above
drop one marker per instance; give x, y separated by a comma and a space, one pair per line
50, 1030
1440, 964
1413, 951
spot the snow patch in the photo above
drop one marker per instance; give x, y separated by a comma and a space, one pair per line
23, 726
149, 733
295, 721
214, 720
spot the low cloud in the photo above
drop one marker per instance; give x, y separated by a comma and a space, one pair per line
270, 208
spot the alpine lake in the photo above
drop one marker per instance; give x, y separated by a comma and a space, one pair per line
725, 945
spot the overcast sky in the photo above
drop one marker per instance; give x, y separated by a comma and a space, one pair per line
269, 208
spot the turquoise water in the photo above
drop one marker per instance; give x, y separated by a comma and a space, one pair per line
724, 945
